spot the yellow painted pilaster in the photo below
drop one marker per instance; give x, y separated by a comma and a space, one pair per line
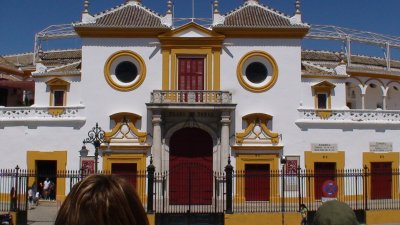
217, 69
165, 66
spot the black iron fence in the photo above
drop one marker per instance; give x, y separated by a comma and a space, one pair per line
198, 190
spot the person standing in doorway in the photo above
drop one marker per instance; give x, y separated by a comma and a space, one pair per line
46, 187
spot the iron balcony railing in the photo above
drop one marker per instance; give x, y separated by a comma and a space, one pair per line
348, 116
191, 97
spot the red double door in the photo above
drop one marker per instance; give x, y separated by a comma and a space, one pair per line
191, 77
322, 173
190, 167
257, 182
128, 171
381, 180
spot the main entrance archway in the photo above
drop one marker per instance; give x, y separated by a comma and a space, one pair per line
190, 167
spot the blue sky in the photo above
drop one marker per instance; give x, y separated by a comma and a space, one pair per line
21, 19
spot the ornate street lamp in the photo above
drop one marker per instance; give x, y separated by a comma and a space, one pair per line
96, 138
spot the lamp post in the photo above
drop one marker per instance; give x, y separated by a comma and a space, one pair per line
283, 162
96, 138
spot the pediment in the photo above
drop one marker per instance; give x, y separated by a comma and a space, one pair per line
324, 84
191, 30
57, 82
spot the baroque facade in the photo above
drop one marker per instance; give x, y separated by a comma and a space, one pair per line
242, 89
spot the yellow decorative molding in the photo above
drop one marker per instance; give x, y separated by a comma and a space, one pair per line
141, 70
56, 111
119, 117
119, 134
324, 114
253, 87
257, 120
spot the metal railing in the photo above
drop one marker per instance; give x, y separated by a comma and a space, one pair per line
349, 116
228, 192
191, 97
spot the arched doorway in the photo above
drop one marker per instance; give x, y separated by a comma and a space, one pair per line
190, 167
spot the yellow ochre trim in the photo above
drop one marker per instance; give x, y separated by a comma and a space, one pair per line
251, 120
165, 69
337, 157
271, 159
323, 87
56, 111
57, 84
176, 53
60, 157
141, 70
118, 117
274, 75
392, 157
142, 136
217, 69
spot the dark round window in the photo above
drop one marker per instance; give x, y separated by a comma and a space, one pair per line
256, 72
126, 72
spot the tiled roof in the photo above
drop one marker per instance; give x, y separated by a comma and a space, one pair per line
330, 59
258, 16
126, 16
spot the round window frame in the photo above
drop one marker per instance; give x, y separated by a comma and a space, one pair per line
113, 61
264, 58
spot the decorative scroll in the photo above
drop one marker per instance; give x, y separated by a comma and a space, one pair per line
257, 131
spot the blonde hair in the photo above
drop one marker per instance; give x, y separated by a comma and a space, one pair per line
102, 200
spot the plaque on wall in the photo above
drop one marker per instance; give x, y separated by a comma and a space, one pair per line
380, 146
323, 147
291, 170
87, 165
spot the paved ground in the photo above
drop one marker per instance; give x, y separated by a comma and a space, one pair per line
43, 214
46, 212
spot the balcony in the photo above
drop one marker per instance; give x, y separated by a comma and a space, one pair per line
191, 100
41, 114
349, 116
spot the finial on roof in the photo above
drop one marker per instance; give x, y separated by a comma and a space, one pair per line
297, 15
169, 7
86, 6
298, 7
215, 6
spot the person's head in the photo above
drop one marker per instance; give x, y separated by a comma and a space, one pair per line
302, 206
102, 200
335, 213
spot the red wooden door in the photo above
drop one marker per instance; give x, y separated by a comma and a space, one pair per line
257, 182
381, 180
322, 173
191, 76
190, 167
126, 170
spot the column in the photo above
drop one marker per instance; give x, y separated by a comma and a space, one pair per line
362, 101
225, 122
384, 103
156, 149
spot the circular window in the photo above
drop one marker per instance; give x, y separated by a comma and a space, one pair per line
125, 71
257, 71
